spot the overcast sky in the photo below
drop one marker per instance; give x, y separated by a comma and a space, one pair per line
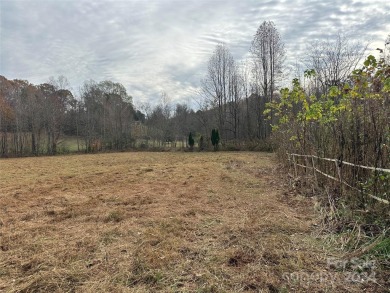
164, 45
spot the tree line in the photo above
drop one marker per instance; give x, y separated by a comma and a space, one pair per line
233, 98
33, 118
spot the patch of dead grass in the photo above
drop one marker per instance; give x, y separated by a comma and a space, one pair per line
156, 222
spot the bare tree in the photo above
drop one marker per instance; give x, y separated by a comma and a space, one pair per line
181, 123
268, 56
60, 83
159, 121
246, 113
221, 88
32, 114
58, 100
203, 119
333, 60
234, 98
108, 115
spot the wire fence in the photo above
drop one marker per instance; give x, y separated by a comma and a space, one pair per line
311, 162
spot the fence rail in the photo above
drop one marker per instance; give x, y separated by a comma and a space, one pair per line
342, 162
338, 164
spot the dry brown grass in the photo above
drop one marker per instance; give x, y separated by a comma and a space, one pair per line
165, 222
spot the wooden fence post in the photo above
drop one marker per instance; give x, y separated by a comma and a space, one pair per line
314, 171
295, 166
338, 170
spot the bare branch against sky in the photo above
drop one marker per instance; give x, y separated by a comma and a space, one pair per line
161, 45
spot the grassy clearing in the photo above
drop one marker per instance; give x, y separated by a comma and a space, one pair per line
70, 144
160, 222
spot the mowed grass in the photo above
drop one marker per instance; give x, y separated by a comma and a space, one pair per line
157, 222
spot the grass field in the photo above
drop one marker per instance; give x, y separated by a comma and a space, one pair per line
160, 222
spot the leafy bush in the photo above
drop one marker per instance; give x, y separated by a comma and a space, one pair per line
350, 122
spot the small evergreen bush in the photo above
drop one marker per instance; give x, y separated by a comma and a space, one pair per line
191, 141
215, 138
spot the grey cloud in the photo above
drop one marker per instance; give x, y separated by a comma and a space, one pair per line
162, 45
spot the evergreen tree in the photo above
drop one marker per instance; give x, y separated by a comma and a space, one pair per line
215, 138
191, 141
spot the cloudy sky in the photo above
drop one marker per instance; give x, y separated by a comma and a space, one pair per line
164, 45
